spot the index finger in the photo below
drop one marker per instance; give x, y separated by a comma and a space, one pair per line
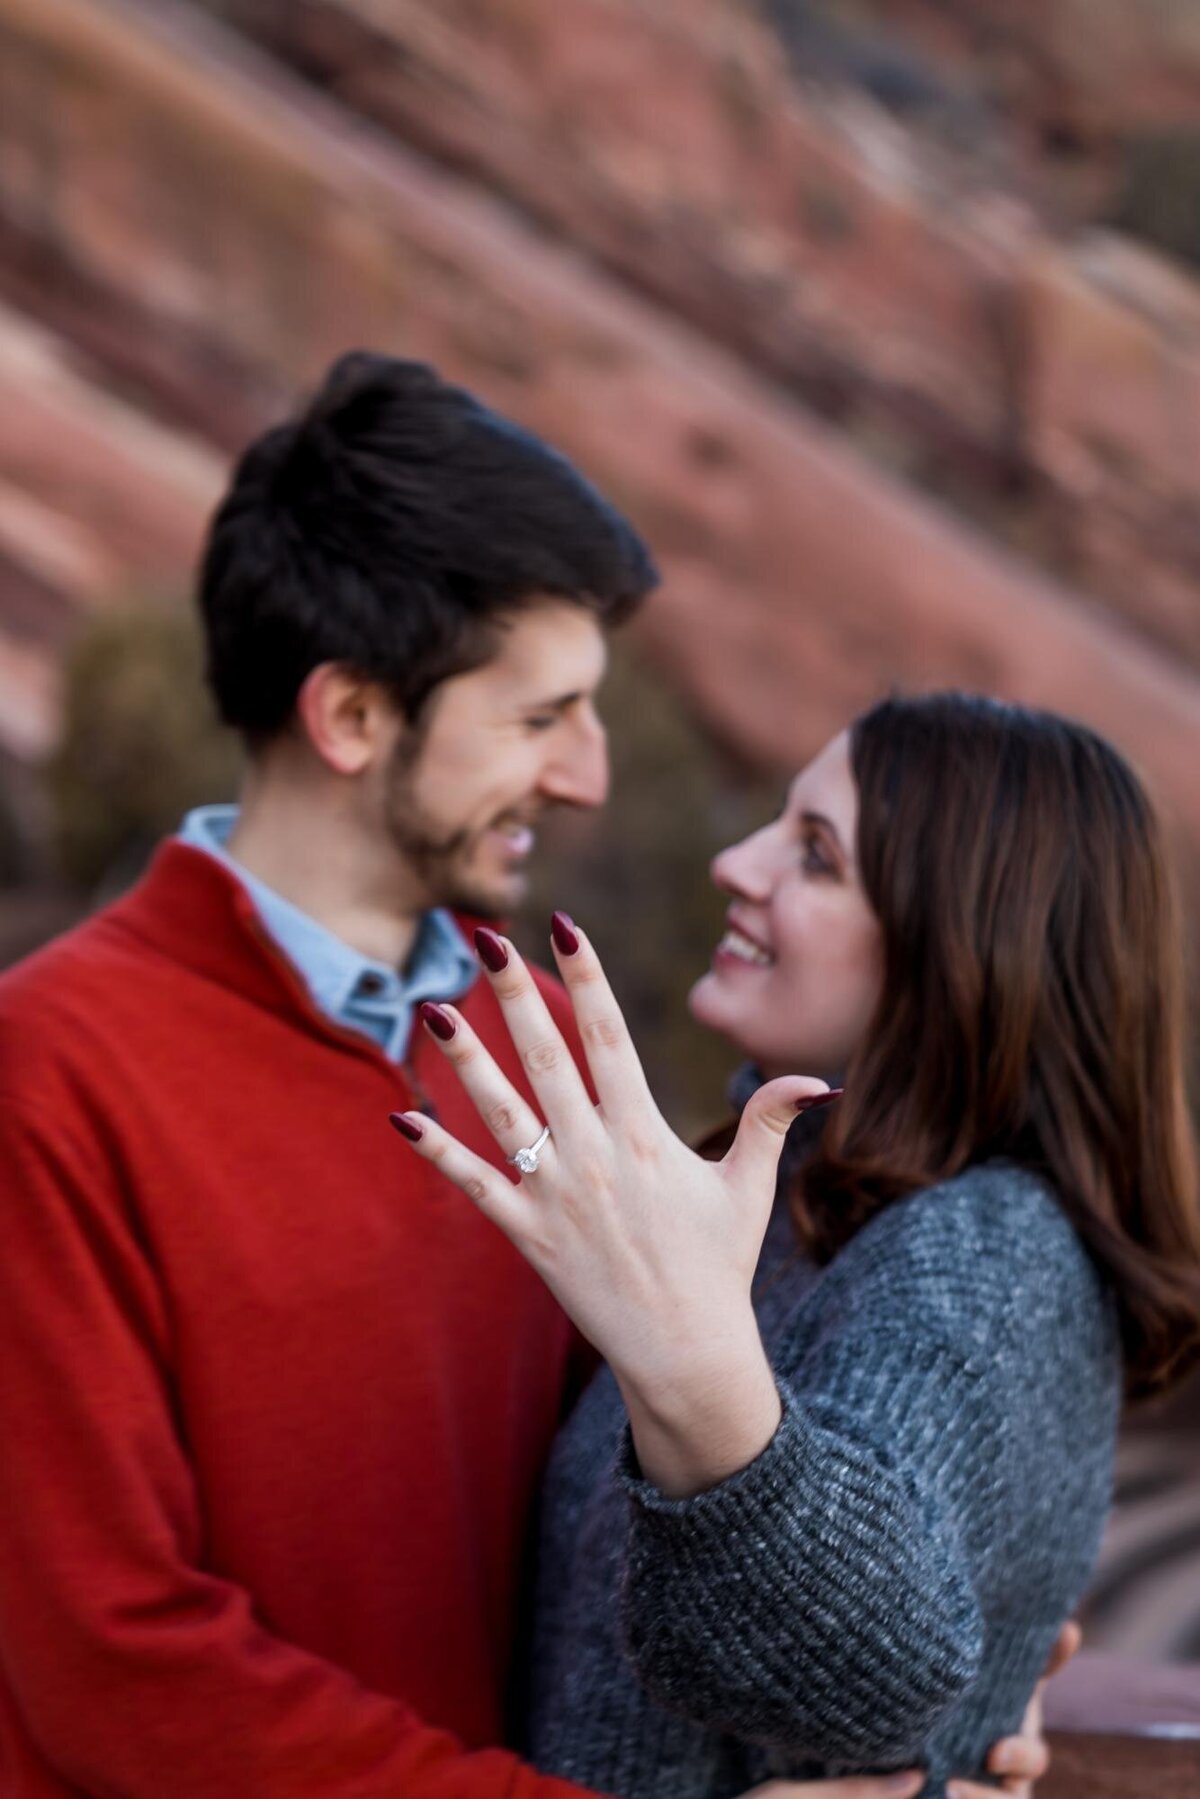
616, 1068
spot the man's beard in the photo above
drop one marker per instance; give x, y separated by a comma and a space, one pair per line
437, 860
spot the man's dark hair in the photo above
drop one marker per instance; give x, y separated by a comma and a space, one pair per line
391, 527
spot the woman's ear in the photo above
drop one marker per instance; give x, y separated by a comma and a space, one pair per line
347, 718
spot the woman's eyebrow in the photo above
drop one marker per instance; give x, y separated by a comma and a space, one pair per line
819, 819
560, 703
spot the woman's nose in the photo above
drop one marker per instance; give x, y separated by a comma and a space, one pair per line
746, 868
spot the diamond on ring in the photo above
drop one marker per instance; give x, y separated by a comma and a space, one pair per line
527, 1159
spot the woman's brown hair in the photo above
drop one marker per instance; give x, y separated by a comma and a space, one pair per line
1032, 1003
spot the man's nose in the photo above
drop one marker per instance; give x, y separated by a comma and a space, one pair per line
577, 774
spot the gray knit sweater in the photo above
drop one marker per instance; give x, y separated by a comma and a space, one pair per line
881, 1587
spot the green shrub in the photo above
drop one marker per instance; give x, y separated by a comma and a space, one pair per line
140, 743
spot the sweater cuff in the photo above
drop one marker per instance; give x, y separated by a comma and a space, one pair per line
741, 1492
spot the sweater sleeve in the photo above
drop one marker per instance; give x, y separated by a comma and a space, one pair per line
136, 1671
824, 1599
818, 1600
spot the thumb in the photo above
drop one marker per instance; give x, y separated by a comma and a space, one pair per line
754, 1154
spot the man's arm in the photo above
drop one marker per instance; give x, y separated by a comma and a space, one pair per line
135, 1670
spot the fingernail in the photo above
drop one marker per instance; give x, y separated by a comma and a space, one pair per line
406, 1126
439, 1022
810, 1102
492, 952
562, 929
1002, 1760
905, 1783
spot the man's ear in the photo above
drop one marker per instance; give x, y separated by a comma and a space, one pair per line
347, 718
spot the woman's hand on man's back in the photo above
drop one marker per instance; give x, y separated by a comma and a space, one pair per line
858, 1786
1018, 1761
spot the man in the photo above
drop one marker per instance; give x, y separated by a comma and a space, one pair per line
273, 1399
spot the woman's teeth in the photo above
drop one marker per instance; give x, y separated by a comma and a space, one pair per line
734, 944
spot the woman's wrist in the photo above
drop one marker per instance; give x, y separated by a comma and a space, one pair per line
703, 1414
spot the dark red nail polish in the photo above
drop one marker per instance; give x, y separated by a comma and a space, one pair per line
405, 1126
562, 929
811, 1101
492, 952
439, 1022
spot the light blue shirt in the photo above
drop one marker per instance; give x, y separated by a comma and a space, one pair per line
365, 996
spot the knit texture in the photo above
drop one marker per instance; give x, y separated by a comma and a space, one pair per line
881, 1587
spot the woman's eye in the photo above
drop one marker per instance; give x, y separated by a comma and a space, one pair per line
542, 723
814, 860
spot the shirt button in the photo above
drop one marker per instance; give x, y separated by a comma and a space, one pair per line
369, 985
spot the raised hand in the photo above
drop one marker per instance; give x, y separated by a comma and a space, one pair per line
651, 1249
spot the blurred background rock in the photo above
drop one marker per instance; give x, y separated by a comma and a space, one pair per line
881, 318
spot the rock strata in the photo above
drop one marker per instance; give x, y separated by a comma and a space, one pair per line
205, 232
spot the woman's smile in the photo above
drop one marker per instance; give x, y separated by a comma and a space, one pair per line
738, 948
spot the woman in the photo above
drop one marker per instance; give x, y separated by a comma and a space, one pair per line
863, 1438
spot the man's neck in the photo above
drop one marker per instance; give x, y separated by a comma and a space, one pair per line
311, 854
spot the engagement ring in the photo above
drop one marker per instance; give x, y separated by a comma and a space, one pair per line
527, 1159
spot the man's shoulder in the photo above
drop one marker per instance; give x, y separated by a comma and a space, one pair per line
176, 900
88, 953
51, 1005
79, 992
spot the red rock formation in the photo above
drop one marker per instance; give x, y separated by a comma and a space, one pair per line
897, 286
1093, 68
97, 501
170, 193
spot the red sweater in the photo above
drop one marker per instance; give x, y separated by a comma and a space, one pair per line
274, 1398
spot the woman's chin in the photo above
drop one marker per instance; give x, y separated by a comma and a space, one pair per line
712, 1006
